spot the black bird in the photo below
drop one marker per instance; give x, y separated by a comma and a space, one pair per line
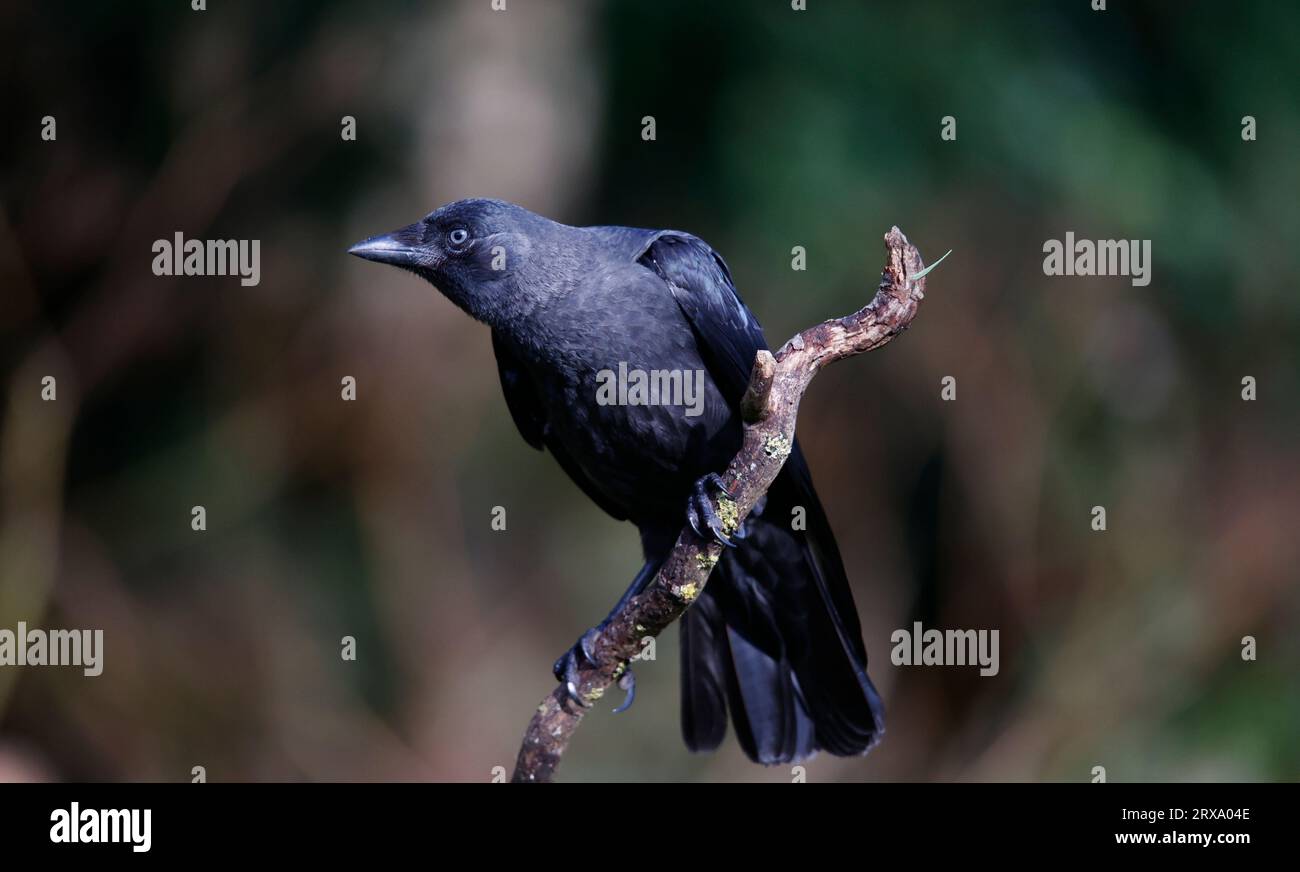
774, 637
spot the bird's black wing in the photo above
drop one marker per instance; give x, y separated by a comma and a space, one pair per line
727, 333
785, 623
530, 418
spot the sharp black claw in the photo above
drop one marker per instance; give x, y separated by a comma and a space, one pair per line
566, 669
700, 507
571, 691
587, 641
570, 680
628, 683
720, 534
693, 518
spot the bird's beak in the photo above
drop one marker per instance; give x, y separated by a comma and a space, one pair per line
385, 249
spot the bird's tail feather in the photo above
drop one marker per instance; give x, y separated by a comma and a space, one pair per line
775, 638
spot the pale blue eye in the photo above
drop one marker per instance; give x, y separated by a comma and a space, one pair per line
458, 236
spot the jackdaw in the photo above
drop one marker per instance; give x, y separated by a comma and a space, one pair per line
774, 637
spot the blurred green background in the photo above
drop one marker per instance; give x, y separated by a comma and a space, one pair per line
775, 128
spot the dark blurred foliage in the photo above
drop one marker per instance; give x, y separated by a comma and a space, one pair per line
774, 129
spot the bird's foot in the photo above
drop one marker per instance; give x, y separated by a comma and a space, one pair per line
702, 515
627, 683
566, 671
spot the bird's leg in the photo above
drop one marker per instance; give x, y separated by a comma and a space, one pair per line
700, 509
566, 668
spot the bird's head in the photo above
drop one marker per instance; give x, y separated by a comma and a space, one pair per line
473, 251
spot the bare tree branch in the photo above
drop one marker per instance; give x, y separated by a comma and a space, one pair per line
769, 407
